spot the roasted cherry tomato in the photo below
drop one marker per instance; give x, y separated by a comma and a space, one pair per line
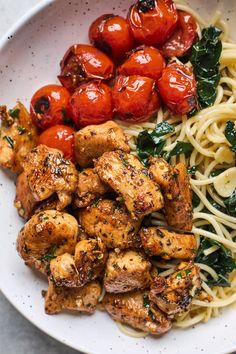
144, 61
184, 36
59, 137
152, 21
112, 35
49, 106
91, 103
135, 98
177, 88
83, 63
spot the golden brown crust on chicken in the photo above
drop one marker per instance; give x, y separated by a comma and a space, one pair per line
174, 294
90, 187
174, 182
24, 199
46, 235
92, 141
135, 309
168, 244
111, 221
126, 271
84, 299
48, 173
127, 176
87, 264
18, 136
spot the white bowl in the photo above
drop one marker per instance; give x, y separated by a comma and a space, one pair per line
29, 59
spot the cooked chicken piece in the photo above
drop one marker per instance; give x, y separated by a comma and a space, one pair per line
127, 176
82, 235
25, 201
48, 172
111, 221
90, 187
86, 265
135, 309
18, 136
174, 182
168, 244
127, 270
46, 235
174, 294
83, 299
92, 141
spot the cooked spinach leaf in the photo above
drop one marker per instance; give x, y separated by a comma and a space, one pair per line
216, 173
192, 170
195, 200
230, 204
205, 60
221, 261
180, 148
230, 134
151, 143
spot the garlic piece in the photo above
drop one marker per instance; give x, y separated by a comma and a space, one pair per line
225, 183
224, 155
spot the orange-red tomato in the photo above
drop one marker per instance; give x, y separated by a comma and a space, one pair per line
82, 63
49, 106
91, 103
152, 21
184, 36
177, 88
135, 98
144, 61
59, 137
112, 35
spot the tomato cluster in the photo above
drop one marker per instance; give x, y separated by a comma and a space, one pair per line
126, 72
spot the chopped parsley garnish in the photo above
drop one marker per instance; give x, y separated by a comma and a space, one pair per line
10, 141
14, 113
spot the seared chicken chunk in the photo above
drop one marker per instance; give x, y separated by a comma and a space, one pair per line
45, 236
127, 176
83, 299
111, 221
92, 141
25, 201
18, 136
168, 244
174, 182
135, 309
174, 294
48, 172
127, 270
87, 264
90, 187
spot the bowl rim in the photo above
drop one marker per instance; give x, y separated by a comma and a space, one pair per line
4, 40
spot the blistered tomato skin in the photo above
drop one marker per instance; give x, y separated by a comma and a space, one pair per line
144, 61
152, 22
183, 38
82, 63
177, 88
49, 106
135, 98
112, 35
59, 137
91, 103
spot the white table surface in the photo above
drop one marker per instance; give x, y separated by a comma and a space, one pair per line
17, 335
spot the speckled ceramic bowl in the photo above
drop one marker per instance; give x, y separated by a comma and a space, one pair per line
29, 58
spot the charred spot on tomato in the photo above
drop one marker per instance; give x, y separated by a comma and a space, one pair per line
42, 105
146, 5
103, 45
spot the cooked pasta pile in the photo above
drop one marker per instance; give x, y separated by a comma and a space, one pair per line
205, 131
